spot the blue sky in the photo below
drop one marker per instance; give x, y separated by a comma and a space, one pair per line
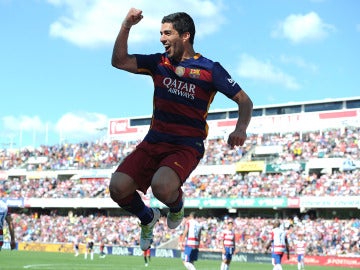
57, 83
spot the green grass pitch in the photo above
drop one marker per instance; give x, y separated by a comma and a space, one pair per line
17, 260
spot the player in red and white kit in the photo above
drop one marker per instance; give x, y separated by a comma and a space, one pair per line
5, 215
300, 248
279, 244
191, 236
228, 241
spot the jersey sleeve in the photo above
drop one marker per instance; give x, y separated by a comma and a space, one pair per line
147, 63
223, 81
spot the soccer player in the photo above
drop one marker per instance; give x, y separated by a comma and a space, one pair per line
191, 236
76, 246
102, 250
5, 215
147, 257
89, 248
300, 248
185, 83
228, 243
279, 244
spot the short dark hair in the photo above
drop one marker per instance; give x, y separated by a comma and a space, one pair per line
182, 23
277, 223
193, 214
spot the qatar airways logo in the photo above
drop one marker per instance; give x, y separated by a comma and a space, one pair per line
180, 88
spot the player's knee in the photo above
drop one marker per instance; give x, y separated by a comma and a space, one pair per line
165, 184
159, 190
164, 191
113, 194
113, 185
117, 188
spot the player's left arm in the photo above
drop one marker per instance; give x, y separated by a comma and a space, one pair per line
230, 88
245, 106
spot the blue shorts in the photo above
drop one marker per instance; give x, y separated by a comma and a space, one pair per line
229, 251
300, 257
190, 254
276, 258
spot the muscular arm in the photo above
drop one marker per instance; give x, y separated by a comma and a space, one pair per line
245, 105
120, 57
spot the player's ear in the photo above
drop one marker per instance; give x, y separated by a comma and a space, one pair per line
186, 36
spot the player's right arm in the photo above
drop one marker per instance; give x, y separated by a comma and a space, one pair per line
269, 244
120, 57
287, 248
223, 251
12, 231
184, 235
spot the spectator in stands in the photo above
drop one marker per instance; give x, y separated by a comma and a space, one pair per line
253, 232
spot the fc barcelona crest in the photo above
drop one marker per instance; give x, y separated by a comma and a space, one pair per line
194, 73
180, 71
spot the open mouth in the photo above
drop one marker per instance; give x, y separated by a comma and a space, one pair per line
167, 48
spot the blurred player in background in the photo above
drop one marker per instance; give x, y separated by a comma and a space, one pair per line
5, 215
228, 244
76, 246
191, 237
185, 84
279, 245
300, 249
89, 248
102, 250
147, 257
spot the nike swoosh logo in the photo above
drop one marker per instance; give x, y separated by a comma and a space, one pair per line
179, 165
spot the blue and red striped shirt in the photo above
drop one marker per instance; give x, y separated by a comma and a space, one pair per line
183, 92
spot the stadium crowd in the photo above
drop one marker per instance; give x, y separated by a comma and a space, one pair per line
87, 155
330, 143
291, 184
324, 237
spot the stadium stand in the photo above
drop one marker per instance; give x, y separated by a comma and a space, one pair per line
60, 192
